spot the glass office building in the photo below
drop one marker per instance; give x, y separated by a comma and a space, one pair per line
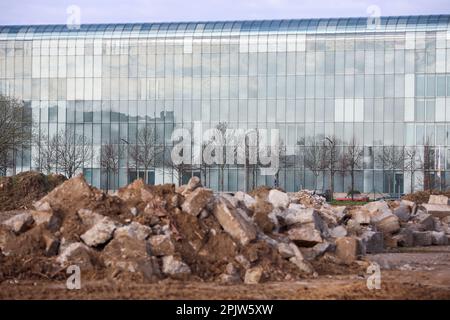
381, 82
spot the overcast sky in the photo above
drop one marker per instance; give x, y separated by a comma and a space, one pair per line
109, 11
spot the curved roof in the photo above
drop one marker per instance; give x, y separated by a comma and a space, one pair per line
332, 25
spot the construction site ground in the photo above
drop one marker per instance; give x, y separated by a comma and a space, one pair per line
409, 273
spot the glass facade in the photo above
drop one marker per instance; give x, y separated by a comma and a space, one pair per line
383, 86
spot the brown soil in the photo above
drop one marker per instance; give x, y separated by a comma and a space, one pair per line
428, 278
423, 196
21, 190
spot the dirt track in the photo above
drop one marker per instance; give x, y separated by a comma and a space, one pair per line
419, 273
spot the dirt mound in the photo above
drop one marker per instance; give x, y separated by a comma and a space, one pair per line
21, 190
423, 196
148, 233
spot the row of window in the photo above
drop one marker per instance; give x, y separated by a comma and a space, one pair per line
368, 134
290, 63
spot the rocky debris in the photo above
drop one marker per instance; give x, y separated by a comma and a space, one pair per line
375, 206
436, 210
134, 230
308, 198
285, 250
361, 216
20, 222
245, 198
233, 223
347, 249
422, 238
100, 233
77, 254
196, 201
193, 183
278, 199
162, 245
307, 235
424, 220
338, 232
253, 275
230, 275
51, 244
128, 255
405, 238
174, 266
149, 233
386, 222
403, 212
438, 199
49, 218
89, 218
21, 190
439, 238
372, 242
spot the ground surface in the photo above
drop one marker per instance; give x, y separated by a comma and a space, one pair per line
416, 273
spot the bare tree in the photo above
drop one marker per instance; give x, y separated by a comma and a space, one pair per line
65, 151
428, 164
412, 165
110, 155
352, 161
331, 156
314, 158
146, 150
15, 130
392, 158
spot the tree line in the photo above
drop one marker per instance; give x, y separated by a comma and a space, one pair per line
68, 152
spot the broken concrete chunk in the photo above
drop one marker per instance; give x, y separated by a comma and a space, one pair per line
425, 221
438, 199
305, 236
372, 241
278, 199
439, 238
405, 238
407, 203
386, 222
436, 210
126, 254
374, 206
20, 222
347, 249
233, 223
338, 232
243, 261
303, 216
42, 206
51, 245
46, 217
361, 216
134, 230
193, 183
403, 212
162, 245
253, 275
174, 266
422, 238
285, 250
89, 217
245, 198
77, 254
196, 201
390, 241
100, 233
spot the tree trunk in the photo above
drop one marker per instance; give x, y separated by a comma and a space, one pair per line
353, 182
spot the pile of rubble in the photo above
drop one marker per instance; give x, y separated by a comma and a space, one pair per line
149, 233
21, 190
